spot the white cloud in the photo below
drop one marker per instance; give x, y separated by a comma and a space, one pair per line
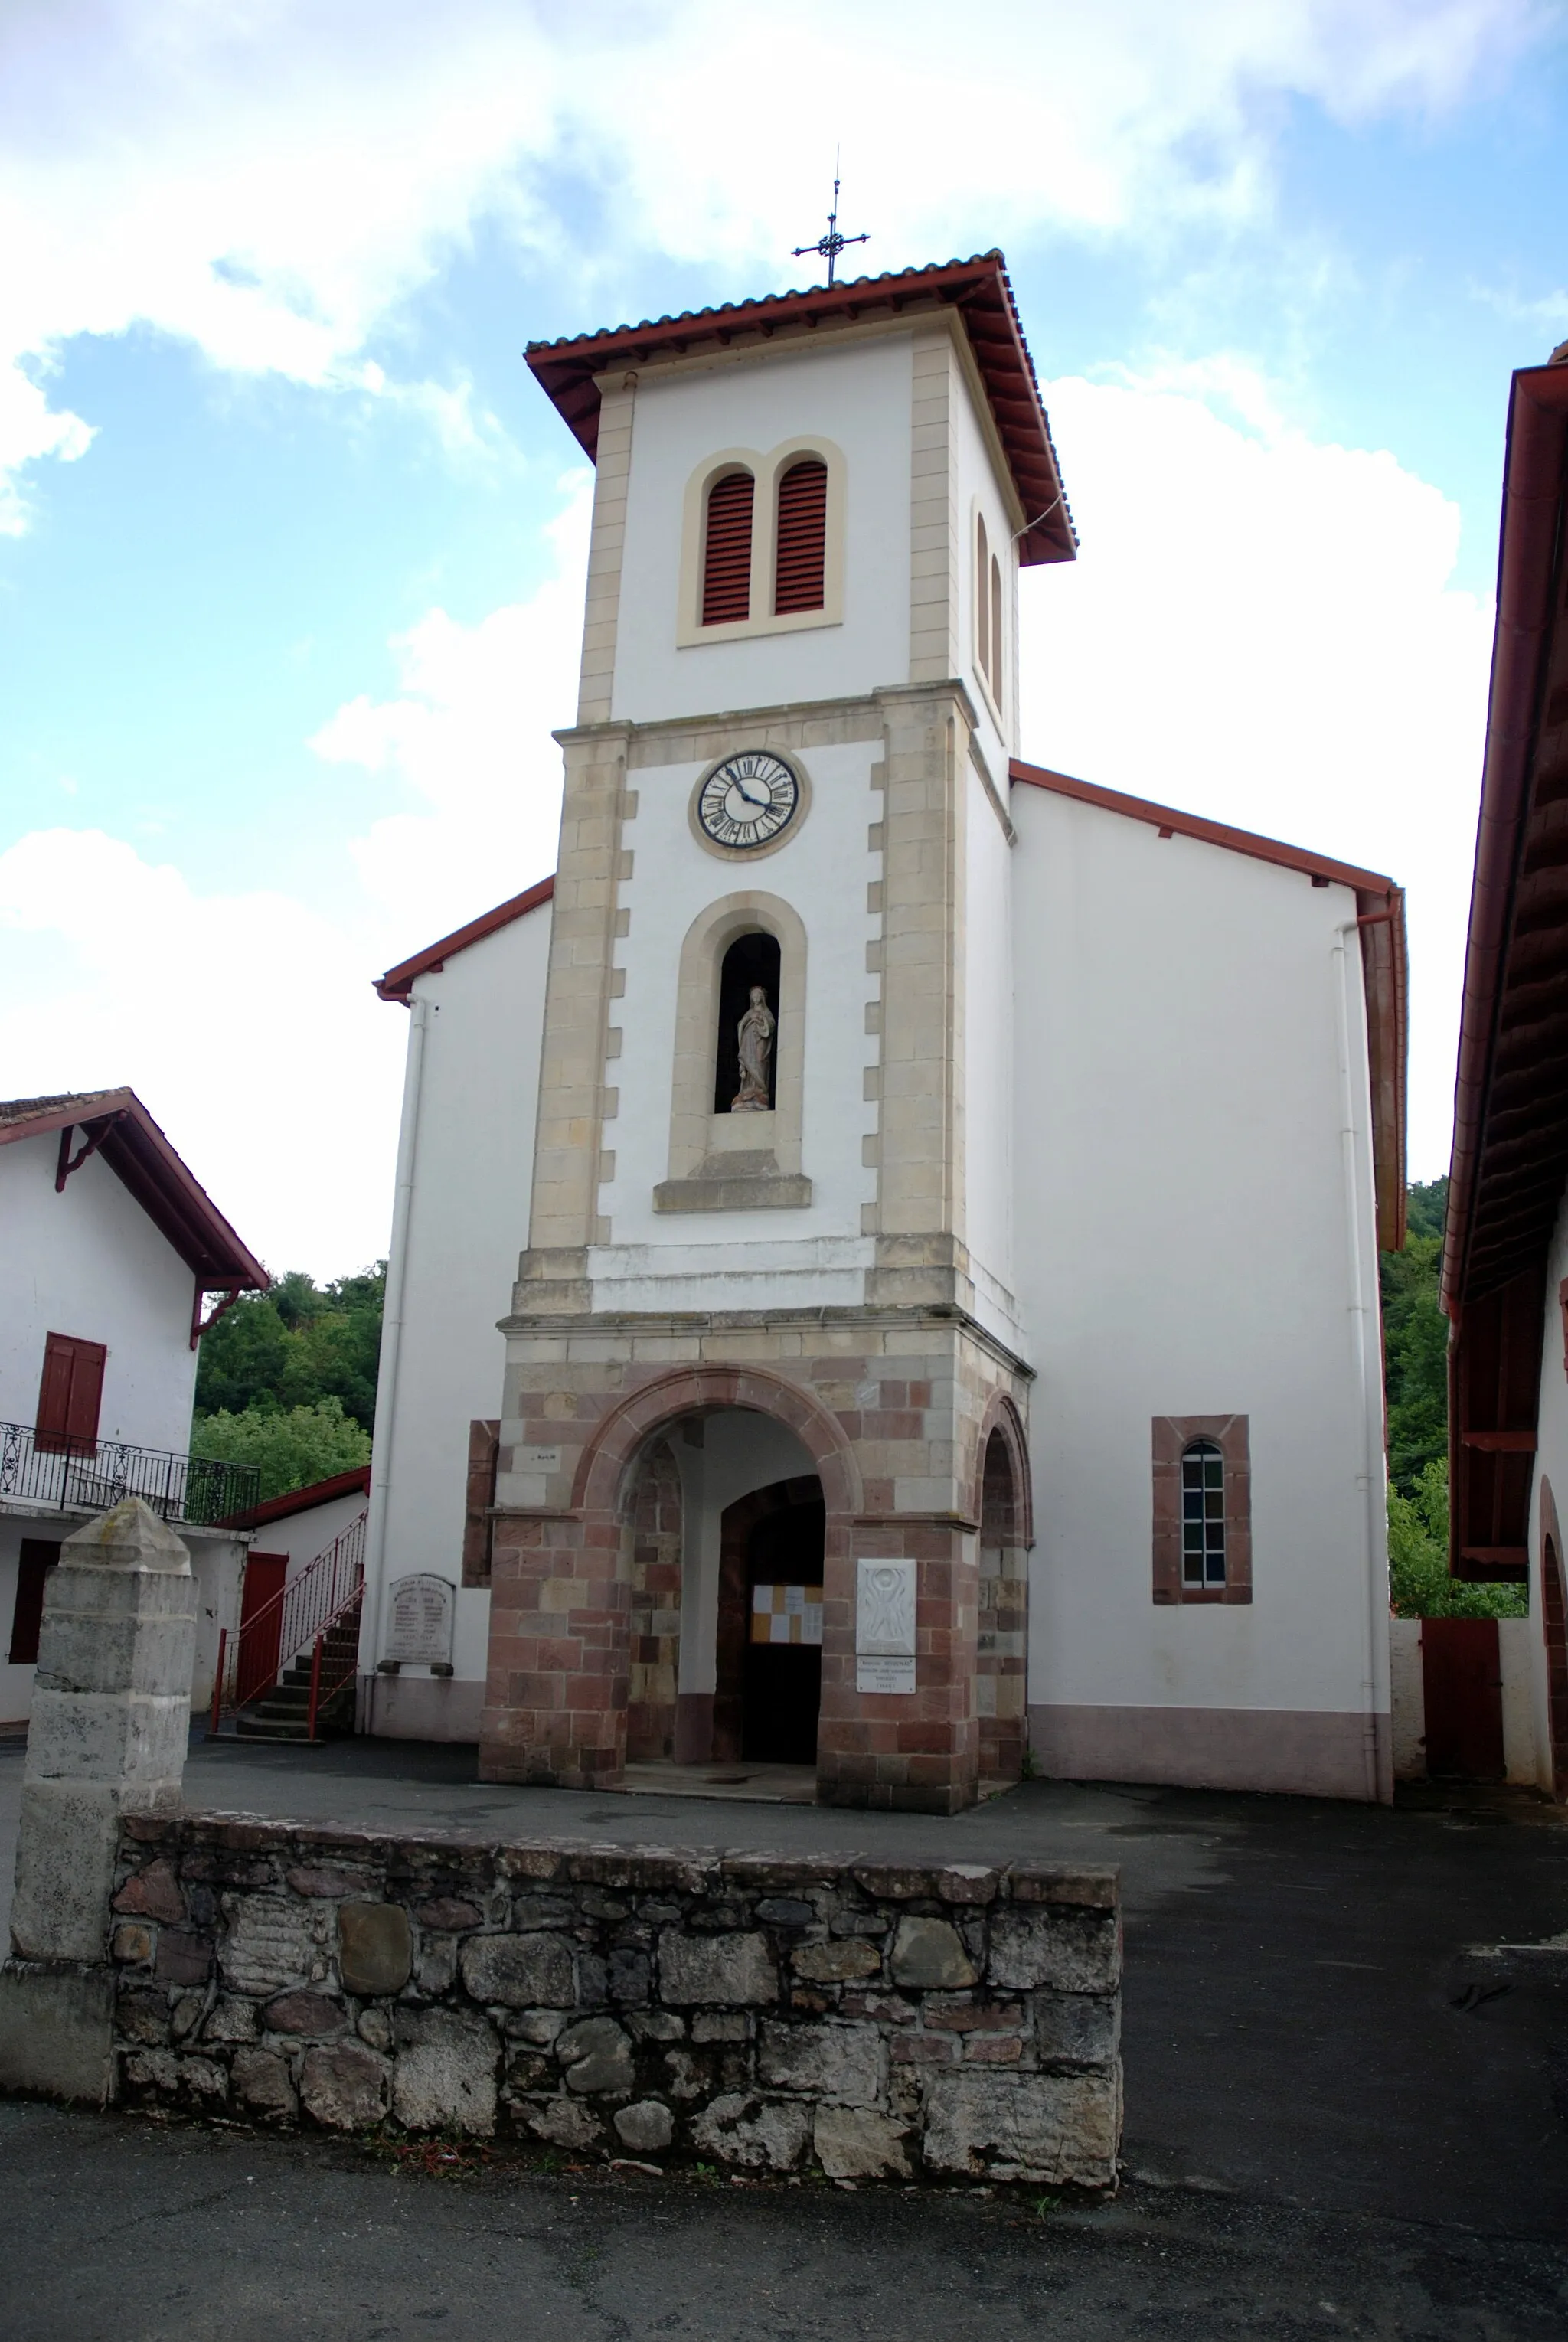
1263, 629
468, 739
270, 180
245, 1022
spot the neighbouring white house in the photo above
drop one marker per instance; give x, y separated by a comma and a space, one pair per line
110, 1252
947, 1192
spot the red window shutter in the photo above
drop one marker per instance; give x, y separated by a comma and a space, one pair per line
36, 1559
69, 1394
727, 552
802, 537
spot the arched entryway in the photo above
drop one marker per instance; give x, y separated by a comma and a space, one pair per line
768, 1644
1001, 1651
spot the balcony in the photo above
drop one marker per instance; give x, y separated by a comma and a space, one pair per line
49, 1472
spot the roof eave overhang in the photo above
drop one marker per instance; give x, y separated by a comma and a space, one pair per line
1529, 569
398, 983
136, 1151
978, 289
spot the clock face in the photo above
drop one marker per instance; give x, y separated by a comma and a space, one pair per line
748, 799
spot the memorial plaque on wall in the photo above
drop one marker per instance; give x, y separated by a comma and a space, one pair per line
885, 1627
421, 1610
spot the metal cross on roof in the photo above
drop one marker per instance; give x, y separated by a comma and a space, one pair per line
831, 245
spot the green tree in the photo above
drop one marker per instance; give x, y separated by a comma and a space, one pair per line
295, 1345
1415, 1342
293, 1448
1419, 1581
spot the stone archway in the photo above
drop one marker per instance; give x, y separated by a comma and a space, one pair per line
656, 1597
1001, 1657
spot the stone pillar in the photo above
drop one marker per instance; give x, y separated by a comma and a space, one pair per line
109, 1729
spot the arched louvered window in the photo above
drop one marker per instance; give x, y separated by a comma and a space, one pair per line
982, 598
996, 630
802, 537
727, 551
1203, 1514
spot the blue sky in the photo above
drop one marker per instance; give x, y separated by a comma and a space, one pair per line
291, 572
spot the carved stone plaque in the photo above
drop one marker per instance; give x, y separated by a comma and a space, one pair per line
884, 1610
885, 1674
422, 1609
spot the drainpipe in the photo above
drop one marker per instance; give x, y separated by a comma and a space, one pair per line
392, 1344
1372, 1459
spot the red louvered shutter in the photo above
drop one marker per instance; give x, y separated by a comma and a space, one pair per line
727, 553
802, 537
69, 1394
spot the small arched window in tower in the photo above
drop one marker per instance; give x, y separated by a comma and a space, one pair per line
982, 598
745, 1079
996, 630
1203, 1514
727, 551
802, 537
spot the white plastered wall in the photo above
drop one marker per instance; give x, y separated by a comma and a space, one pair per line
88, 1262
979, 494
856, 393
747, 1260
988, 1061
1185, 1246
472, 1153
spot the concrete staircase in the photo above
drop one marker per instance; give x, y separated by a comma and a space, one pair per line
283, 1713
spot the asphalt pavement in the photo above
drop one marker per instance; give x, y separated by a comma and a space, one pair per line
1346, 2048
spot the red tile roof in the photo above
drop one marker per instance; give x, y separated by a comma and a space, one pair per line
136, 1151
1380, 906
977, 289
398, 982
305, 1500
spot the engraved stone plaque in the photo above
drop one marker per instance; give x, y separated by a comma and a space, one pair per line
884, 1610
422, 1609
885, 1674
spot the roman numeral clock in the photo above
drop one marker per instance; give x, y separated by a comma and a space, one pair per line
747, 800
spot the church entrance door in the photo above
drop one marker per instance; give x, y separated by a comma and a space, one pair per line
770, 1624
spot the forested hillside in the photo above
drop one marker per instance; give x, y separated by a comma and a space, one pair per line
287, 1379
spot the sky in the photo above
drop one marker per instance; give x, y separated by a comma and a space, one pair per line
292, 546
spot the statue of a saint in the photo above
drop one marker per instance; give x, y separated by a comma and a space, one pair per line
755, 1036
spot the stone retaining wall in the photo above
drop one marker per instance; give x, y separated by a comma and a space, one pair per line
767, 2013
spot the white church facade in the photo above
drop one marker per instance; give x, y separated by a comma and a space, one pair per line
885, 1261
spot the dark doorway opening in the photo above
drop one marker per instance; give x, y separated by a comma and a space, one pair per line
769, 1688
749, 960
1462, 1678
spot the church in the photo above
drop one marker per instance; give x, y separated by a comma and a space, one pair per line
884, 1273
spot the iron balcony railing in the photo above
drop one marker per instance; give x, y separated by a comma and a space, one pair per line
89, 1476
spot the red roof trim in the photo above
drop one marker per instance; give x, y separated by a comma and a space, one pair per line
1380, 903
1211, 833
398, 982
305, 1500
1533, 494
148, 1168
568, 370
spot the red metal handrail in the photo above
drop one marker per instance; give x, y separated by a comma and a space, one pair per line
317, 1598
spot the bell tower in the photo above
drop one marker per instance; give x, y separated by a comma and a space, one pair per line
771, 1199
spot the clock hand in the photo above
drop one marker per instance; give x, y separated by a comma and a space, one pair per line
748, 796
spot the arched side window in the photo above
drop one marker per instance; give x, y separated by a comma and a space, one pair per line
982, 597
801, 551
727, 550
745, 1075
996, 630
1203, 1514
1203, 1508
